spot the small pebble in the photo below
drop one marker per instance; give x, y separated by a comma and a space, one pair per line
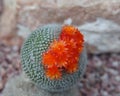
1, 86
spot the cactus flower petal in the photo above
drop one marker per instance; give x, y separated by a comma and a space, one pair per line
48, 59
53, 73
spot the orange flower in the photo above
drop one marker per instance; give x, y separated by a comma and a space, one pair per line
48, 59
58, 47
72, 65
72, 68
79, 36
53, 73
63, 54
60, 52
70, 32
73, 37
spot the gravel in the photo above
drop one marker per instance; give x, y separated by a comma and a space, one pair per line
102, 77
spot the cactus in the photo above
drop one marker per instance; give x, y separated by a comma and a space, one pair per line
32, 52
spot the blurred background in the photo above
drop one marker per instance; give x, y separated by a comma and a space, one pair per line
98, 20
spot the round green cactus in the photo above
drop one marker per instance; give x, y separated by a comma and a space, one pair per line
31, 55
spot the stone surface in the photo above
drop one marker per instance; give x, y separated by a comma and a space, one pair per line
21, 86
1, 6
8, 18
33, 14
102, 36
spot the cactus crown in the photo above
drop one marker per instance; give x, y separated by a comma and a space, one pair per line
53, 57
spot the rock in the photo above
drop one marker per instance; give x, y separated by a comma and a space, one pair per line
1, 86
105, 93
100, 34
117, 78
112, 71
8, 18
23, 31
21, 86
1, 6
33, 14
3, 72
